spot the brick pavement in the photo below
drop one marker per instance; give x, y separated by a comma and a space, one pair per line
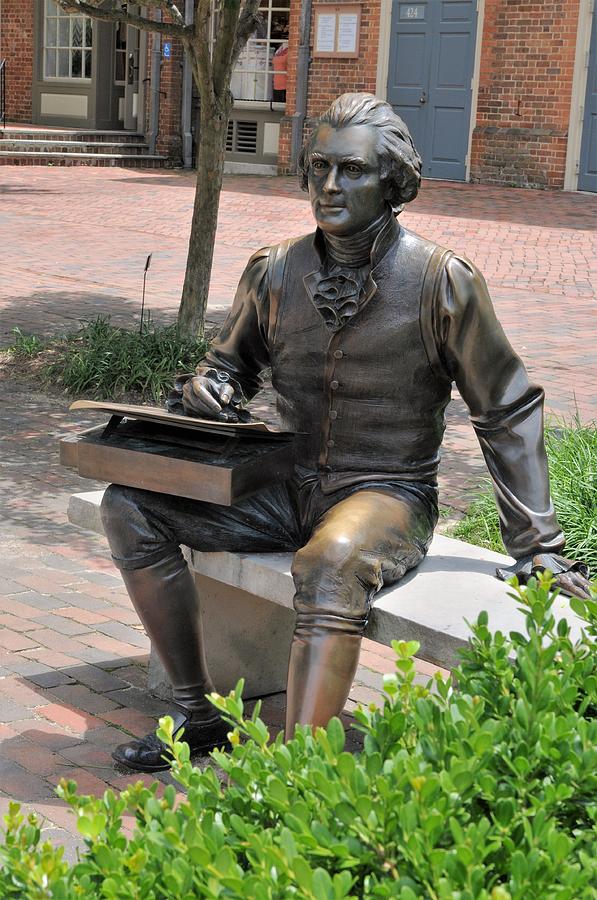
72, 654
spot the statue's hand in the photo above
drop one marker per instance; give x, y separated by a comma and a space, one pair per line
571, 577
209, 394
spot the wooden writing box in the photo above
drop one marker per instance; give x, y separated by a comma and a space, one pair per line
148, 448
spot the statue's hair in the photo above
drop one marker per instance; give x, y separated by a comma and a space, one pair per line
400, 164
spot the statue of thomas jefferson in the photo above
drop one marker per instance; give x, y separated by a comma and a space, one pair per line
365, 326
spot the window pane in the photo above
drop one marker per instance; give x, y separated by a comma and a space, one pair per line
50, 69
77, 33
51, 8
88, 64
51, 32
279, 30
64, 32
77, 64
63, 63
88, 33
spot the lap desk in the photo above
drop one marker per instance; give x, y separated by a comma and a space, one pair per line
246, 601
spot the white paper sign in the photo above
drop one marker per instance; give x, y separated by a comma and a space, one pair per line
326, 33
347, 32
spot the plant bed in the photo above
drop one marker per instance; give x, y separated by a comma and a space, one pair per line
105, 362
478, 786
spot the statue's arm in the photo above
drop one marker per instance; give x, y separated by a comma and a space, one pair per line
229, 372
506, 411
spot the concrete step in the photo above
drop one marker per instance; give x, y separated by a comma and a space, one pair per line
41, 158
15, 132
67, 146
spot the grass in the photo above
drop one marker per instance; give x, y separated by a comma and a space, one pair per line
105, 362
572, 456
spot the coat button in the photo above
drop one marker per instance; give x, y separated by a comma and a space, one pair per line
331, 443
338, 354
334, 385
334, 414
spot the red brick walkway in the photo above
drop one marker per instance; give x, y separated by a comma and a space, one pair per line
72, 245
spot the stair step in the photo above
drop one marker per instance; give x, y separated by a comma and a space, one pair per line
13, 132
69, 146
40, 158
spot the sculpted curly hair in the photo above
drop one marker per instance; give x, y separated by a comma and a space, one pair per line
400, 164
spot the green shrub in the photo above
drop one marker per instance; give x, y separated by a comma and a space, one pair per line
572, 456
486, 790
105, 362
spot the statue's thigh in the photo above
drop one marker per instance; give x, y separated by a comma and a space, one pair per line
142, 525
365, 541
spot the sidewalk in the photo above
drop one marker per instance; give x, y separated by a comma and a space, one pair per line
72, 654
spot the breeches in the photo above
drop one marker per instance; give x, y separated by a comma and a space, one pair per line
347, 544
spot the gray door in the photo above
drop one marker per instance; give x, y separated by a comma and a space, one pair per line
587, 177
432, 54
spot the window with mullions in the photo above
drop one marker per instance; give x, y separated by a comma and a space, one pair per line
68, 42
260, 73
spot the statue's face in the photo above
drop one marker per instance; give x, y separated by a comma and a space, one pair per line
344, 185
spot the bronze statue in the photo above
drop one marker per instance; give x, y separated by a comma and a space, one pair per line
365, 326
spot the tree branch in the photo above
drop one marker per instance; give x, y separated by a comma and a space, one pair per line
169, 7
248, 21
224, 45
115, 13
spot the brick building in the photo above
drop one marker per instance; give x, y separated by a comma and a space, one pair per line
495, 91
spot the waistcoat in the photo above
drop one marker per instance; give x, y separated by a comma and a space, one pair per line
365, 399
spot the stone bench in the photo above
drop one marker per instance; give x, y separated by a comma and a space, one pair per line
246, 602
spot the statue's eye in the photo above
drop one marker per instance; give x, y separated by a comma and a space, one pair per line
319, 165
354, 169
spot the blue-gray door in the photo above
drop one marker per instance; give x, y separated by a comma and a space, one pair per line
432, 52
587, 176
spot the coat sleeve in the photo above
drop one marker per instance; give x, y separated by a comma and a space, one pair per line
241, 347
506, 408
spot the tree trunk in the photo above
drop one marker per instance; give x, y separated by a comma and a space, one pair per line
210, 168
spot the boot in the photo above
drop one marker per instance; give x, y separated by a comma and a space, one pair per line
165, 599
322, 666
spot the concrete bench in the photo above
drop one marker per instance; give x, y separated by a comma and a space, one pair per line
246, 603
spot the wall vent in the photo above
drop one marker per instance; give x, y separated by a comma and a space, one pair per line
241, 137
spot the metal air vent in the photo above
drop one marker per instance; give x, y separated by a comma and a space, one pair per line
241, 137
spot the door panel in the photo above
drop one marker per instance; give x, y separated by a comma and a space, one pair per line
587, 178
410, 83
431, 64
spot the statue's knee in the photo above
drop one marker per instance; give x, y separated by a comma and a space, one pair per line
335, 579
122, 519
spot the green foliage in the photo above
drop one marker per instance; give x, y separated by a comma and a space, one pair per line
105, 362
479, 787
572, 456
25, 344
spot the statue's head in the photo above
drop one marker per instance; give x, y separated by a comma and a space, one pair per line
359, 159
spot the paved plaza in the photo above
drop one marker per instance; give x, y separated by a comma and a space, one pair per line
73, 243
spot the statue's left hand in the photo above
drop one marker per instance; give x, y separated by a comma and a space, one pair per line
570, 576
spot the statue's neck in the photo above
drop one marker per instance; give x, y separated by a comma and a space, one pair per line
354, 250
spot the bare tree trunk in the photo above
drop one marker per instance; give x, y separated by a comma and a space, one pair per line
210, 168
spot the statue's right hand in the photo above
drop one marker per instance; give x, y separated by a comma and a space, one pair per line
206, 396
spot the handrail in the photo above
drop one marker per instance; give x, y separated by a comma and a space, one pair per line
3, 93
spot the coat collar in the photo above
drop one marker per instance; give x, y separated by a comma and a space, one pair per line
389, 234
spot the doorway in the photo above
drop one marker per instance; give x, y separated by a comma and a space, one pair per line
432, 53
587, 175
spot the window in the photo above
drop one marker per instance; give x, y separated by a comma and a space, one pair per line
260, 73
119, 53
68, 42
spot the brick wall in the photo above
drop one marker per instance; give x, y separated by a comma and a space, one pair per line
16, 46
329, 77
525, 89
169, 139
